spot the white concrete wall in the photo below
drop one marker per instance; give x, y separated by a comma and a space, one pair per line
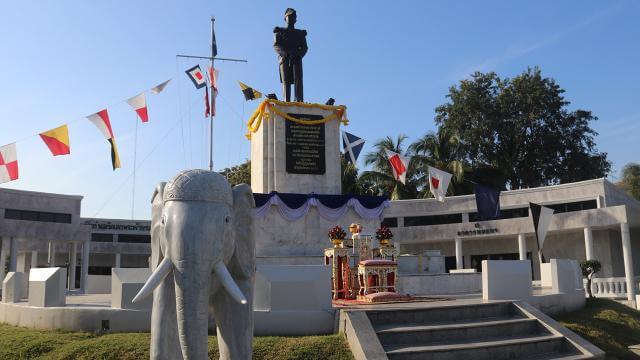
98, 284
440, 284
275, 236
293, 300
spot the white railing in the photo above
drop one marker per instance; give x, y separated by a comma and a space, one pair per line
612, 287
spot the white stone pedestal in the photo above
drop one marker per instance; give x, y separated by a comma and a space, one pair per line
506, 280
13, 287
269, 157
125, 284
47, 287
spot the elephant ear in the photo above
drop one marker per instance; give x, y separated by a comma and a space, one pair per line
242, 264
156, 224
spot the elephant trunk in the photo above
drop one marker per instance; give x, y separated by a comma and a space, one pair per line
192, 305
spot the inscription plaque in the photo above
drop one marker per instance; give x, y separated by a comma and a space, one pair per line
305, 146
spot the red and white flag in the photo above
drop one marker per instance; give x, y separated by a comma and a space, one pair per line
213, 80
399, 165
197, 77
438, 182
101, 121
139, 104
8, 163
207, 108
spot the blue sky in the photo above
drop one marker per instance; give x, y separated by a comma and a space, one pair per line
390, 63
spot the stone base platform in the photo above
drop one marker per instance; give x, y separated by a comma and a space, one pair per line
91, 313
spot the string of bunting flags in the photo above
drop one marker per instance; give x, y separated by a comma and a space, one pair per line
57, 139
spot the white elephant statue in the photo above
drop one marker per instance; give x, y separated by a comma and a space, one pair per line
203, 257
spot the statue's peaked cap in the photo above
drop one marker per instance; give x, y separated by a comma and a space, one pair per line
289, 11
198, 185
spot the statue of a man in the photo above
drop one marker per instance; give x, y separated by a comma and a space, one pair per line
291, 45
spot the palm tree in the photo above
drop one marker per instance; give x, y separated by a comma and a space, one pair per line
381, 179
441, 150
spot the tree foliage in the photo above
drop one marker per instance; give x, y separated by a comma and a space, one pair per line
381, 176
630, 181
522, 130
239, 174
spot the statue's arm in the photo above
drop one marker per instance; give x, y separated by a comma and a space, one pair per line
277, 42
303, 45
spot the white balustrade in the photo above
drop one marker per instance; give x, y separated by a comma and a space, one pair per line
611, 287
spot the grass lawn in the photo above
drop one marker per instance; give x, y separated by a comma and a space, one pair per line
607, 324
23, 343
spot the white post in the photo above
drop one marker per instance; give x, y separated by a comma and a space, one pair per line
85, 266
628, 261
51, 257
522, 246
72, 265
13, 253
459, 262
588, 243
34, 259
117, 260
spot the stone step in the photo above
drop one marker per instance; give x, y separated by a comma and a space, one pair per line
559, 356
442, 314
419, 334
498, 349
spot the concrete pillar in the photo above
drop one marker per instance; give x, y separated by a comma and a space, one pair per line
85, 265
522, 246
21, 263
459, 261
628, 261
588, 243
34, 259
73, 251
3, 257
117, 260
13, 254
51, 257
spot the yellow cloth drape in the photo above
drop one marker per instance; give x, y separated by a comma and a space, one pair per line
262, 114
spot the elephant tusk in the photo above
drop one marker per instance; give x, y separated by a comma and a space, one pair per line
154, 280
229, 284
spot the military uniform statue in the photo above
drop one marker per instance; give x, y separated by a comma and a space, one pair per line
291, 45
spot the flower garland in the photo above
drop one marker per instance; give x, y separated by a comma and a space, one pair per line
261, 114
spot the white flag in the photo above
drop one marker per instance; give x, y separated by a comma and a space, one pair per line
438, 182
158, 88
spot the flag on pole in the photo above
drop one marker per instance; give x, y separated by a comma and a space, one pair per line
207, 108
139, 104
8, 163
438, 182
487, 202
158, 88
541, 219
399, 165
352, 145
249, 92
101, 121
197, 77
213, 78
57, 140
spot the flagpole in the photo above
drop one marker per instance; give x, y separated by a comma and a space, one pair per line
211, 100
135, 155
